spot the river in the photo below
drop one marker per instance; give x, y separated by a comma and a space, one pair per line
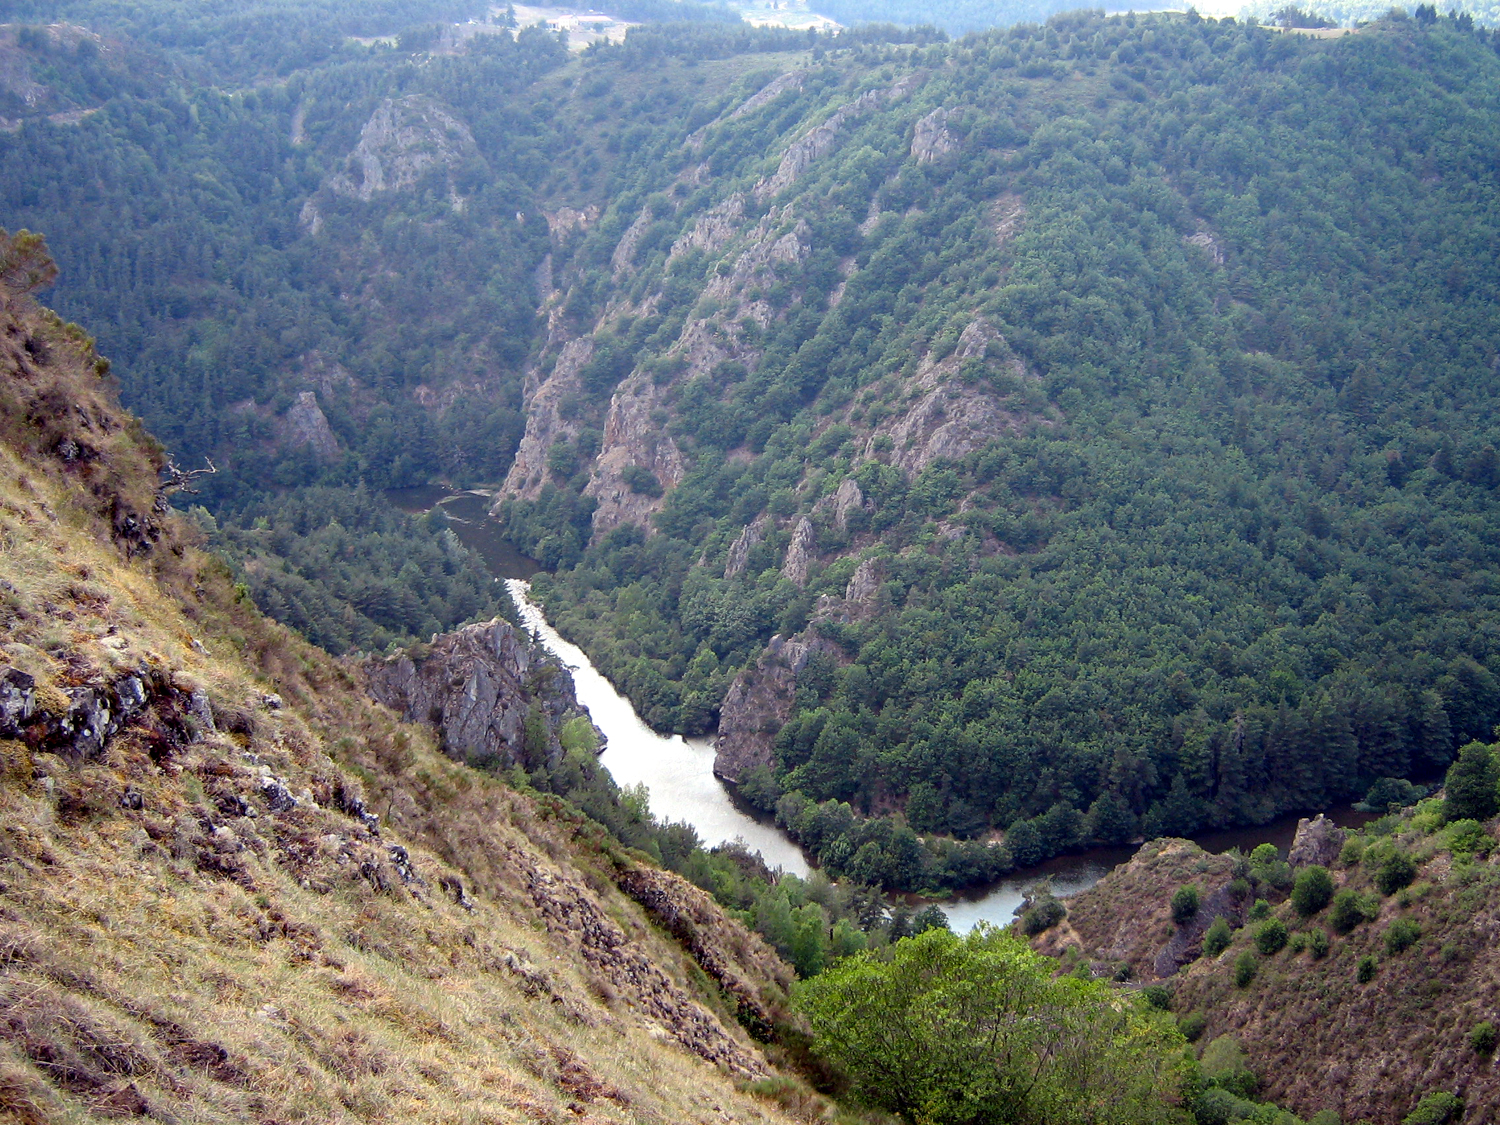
679, 773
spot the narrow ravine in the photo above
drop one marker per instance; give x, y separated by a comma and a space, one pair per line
678, 772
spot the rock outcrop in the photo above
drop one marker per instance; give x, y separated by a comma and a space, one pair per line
477, 687
734, 958
545, 424
404, 139
848, 498
931, 139
633, 442
757, 706
1318, 841
952, 418
748, 539
821, 139
306, 425
801, 553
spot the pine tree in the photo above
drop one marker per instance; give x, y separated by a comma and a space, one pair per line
1471, 784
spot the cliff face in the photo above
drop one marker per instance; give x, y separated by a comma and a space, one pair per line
232, 888
1316, 1035
477, 687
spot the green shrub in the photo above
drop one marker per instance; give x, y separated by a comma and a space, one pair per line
1217, 938
1366, 971
1159, 996
1260, 911
1185, 905
1312, 891
1435, 1109
1325, 1117
1045, 912
1245, 966
1240, 889
1317, 944
1350, 908
1401, 935
1270, 938
1467, 839
1396, 871
1483, 1038
1352, 852
1192, 1025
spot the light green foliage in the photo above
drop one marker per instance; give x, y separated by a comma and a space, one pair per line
1483, 1037
1260, 911
1437, 1108
1317, 944
955, 1029
1312, 891
1467, 840
1402, 934
579, 735
1396, 870
1224, 1065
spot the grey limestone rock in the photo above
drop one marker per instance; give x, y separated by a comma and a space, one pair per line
801, 553
477, 686
1318, 841
758, 704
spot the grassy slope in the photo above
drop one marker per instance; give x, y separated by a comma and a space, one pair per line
206, 966
1316, 1036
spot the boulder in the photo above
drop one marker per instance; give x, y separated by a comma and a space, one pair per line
1318, 841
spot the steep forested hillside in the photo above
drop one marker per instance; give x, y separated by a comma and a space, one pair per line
1077, 430
1104, 410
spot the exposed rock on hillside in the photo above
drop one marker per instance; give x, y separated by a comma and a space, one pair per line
821, 139
306, 425
633, 438
476, 687
768, 93
232, 888
801, 554
951, 419
931, 139
1316, 1035
747, 540
758, 704
848, 498
1318, 841
1128, 916
404, 139
545, 424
